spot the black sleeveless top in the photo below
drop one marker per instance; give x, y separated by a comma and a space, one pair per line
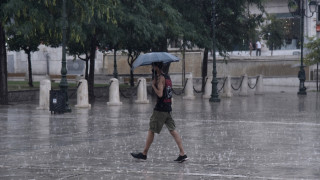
164, 103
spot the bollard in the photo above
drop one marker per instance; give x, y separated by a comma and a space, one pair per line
207, 88
142, 96
189, 88
44, 96
227, 88
260, 87
244, 86
114, 96
83, 95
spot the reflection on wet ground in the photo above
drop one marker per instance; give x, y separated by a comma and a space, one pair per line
273, 136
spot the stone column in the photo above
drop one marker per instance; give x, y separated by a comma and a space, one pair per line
142, 96
44, 95
207, 88
244, 86
114, 95
83, 95
259, 87
189, 88
227, 91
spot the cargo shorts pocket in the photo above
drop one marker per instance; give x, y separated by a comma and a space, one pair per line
157, 121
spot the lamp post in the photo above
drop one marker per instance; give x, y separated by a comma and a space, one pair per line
64, 83
293, 8
214, 82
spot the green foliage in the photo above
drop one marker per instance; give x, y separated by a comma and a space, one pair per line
29, 23
26, 26
194, 25
146, 25
274, 33
87, 19
137, 26
233, 25
313, 56
167, 22
3, 17
294, 5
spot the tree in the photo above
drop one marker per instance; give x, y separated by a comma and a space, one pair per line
88, 22
3, 59
167, 21
81, 51
28, 44
313, 55
27, 27
274, 33
168, 18
196, 29
148, 24
233, 24
134, 20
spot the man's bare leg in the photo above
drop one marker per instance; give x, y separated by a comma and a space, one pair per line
149, 141
178, 140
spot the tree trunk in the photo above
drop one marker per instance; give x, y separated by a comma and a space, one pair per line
161, 45
130, 62
183, 65
131, 78
3, 68
204, 68
29, 69
86, 76
115, 70
91, 73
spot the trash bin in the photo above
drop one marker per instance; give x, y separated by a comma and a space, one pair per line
57, 101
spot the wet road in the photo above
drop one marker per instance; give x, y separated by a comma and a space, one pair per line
273, 136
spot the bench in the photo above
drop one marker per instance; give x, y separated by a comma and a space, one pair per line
55, 77
16, 74
22, 77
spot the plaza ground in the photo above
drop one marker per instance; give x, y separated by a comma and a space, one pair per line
270, 136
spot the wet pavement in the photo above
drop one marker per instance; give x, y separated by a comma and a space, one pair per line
273, 136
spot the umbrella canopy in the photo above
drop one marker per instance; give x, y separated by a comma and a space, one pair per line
149, 58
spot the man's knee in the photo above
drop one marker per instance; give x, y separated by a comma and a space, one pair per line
173, 132
151, 132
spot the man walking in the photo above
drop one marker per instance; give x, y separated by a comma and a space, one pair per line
162, 86
258, 46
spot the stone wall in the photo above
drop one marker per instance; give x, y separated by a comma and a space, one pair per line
271, 66
193, 61
48, 61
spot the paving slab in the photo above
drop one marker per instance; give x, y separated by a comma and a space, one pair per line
270, 136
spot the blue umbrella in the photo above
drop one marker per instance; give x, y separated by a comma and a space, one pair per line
149, 58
